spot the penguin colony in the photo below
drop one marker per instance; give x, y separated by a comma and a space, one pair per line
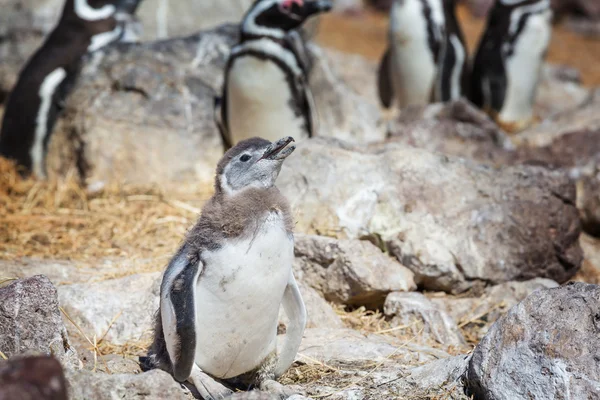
216, 326
427, 59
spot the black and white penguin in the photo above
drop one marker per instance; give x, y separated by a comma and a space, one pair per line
265, 89
44, 83
507, 65
221, 292
426, 60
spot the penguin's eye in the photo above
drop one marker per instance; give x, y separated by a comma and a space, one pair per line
245, 158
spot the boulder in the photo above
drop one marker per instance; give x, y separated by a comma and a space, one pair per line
30, 321
454, 128
128, 303
350, 347
350, 272
546, 347
590, 270
32, 378
143, 113
414, 310
477, 314
452, 222
152, 385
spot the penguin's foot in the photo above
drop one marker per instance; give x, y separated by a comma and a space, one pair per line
208, 388
284, 392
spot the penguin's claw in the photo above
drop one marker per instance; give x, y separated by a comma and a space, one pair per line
208, 388
284, 392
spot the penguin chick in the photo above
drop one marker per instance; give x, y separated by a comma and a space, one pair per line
265, 85
508, 62
426, 60
221, 292
44, 83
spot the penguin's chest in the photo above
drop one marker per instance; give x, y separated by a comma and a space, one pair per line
413, 62
260, 101
238, 297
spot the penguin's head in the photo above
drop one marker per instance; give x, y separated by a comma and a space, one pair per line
252, 162
268, 17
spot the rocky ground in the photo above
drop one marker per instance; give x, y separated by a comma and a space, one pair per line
439, 258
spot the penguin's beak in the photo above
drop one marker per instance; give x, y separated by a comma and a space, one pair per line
316, 7
278, 150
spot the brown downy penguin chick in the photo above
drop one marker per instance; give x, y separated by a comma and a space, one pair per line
221, 292
46, 80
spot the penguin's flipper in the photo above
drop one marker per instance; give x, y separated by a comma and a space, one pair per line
220, 116
313, 114
298, 46
178, 312
293, 305
384, 84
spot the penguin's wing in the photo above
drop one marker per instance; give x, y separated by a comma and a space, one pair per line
298, 47
293, 305
312, 113
220, 116
178, 312
384, 84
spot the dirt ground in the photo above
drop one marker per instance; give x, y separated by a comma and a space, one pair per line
366, 34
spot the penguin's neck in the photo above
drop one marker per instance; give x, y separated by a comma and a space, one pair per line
277, 35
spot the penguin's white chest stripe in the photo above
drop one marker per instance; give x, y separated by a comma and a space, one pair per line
238, 298
260, 101
413, 64
46, 93
85, 11
102, 39
523, 68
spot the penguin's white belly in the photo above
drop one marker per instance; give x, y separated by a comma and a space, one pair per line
260, 101
413, 65
523, 70
237, 300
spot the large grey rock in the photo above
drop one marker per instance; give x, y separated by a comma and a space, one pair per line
347, 346
144, 112
152, 385
414, 310
30, 321
546, 347
477, 314
452, 222
351, 272
132, 300
454, 128
32, 378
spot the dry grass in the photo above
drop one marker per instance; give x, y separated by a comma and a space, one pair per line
59, 219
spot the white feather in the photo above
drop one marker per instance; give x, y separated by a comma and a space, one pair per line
455, 78
523, 69
46, 92
102, 39
413, 65
259, 94
250, 26
238, 298
85, 11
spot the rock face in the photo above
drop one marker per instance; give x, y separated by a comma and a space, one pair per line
453, 223
159, 98
351, 272
129, 303
544, 348
406, 309
30, 320
32, 378
152, 385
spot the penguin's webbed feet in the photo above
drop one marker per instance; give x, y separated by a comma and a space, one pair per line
207, 387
